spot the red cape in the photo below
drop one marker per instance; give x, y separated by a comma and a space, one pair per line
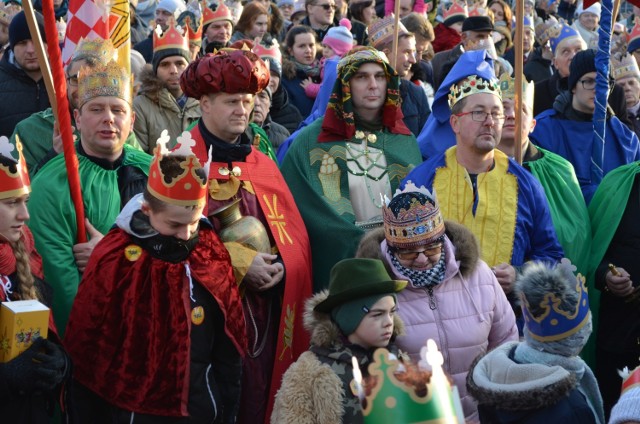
289, 232
130, 325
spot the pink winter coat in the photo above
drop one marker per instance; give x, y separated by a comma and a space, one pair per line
471, 315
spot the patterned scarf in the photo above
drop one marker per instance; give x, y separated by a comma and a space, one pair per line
312, 70
427, 278
339, 121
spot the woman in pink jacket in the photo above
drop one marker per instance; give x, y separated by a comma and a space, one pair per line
452, 297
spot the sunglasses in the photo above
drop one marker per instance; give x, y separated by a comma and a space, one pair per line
327, 6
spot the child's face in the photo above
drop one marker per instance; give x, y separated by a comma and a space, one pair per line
376, 328
327, 51
175, 221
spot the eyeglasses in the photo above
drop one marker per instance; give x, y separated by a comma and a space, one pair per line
481, 116
431, 250
588, 84
72, 80
327, 6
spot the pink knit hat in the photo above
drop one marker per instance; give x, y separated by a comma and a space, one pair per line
339, 38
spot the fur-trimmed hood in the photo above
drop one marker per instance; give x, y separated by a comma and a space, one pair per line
467, 251
499, 382
324, 332
151, 86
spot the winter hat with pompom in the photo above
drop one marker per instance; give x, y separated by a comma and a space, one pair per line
339, 38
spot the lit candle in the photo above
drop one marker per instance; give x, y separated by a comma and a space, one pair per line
357, 378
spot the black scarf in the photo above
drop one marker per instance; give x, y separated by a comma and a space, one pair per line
223, 151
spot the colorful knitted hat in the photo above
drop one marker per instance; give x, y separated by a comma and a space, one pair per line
339, 38
381, 32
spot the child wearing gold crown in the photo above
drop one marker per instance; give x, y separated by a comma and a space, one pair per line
354, 317
31, 381
542, 380
157, 331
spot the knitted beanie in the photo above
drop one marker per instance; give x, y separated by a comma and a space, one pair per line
595, 8
339, 38
19, 30
349, 315
176, 7
582, 63
627, 408
163, 54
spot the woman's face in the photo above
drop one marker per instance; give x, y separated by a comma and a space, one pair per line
420, 258
260, 26
369, 13
304, 48
13, 215
498, 13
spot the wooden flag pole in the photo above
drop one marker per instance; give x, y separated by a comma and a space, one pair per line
519, 65
396, 30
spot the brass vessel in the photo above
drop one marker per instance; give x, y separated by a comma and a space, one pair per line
245, 230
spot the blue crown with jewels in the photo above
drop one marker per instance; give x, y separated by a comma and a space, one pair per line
554, 323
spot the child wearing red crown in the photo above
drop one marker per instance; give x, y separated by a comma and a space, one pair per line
157, 332
30, 382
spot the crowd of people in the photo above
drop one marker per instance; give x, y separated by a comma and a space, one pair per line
278, 187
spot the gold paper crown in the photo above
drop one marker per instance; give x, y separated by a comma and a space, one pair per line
13, 184
472, 84
625, 67
194, 34
508, 89
173, 38
97, 49
455, 9
109, 80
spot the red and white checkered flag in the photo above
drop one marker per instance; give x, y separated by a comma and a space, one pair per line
86, 19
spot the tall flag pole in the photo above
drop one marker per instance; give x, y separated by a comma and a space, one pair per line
396, 28
64, 117
519, 58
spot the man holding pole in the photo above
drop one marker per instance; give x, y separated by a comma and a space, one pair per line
111, 172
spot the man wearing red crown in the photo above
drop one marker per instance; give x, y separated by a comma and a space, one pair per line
160, 104
111, 172
159, 291
217, 26
276, 277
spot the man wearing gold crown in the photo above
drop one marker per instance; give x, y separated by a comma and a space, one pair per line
160, 104
39, 133
627, 76
566, 204
272, 263
160, 293
341, 165
478, 186
111, 172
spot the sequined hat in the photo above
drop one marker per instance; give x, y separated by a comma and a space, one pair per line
412, 218
381, 32
96, 49
626, 66
508, 89
110, 80
14, 176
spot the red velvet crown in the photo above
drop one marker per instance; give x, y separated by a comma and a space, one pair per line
222, 13
13, 184
173, 38
188, 188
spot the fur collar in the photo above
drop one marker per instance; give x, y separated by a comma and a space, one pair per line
324, 332
497, 381
151, 86
465, 243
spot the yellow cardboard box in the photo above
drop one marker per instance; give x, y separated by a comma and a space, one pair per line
21, 322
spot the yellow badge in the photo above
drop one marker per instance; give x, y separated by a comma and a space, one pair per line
197, 315
132, 252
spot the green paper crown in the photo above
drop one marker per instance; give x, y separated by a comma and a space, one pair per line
391, 401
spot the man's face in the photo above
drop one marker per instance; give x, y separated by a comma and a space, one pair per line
405, 57
286, 10
274, 82
219, 32
473, 137
406, 7
527, 40
509, 128
194, 49
72, 82
261, 107
164, 18
169, 71
226, 115
321, 12
25, 55
471, 38
369, 88
104, 124
631, 87
565, 53
589, 20
583, 98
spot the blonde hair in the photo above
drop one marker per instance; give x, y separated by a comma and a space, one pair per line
26, 288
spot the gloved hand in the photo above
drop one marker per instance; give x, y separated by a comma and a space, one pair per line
41, 367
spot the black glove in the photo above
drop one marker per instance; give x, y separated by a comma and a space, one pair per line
39, 368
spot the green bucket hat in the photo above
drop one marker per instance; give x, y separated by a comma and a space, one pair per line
357, 278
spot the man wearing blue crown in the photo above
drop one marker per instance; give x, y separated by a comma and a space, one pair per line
542, 379
111, 172
478, 186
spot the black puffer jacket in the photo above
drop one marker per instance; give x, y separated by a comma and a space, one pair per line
284, 112
20, 96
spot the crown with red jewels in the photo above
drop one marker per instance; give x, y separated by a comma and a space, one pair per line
626, 66
173, 38
14, 178
189, 188
456, 8
555, 323
402, 393
222, 13
472, 84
